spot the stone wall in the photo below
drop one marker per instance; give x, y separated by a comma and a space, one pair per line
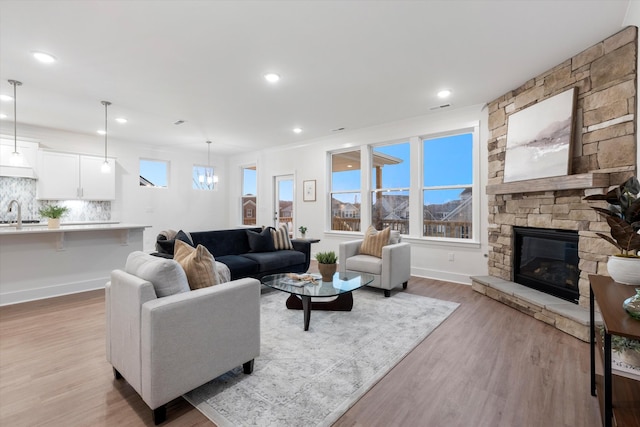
604, 141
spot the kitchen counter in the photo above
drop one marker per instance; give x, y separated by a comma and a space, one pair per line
37, 262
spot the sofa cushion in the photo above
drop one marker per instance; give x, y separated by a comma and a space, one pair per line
224, 242
185, 236
281, 239
365, 264
374, 240
270, 261
261, 242
198, 264
166, 275
239, 266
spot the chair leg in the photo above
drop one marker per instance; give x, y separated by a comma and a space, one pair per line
160, 415
387, 293
404, 285
248, 366
117, 375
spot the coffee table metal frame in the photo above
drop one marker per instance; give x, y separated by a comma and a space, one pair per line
300, 296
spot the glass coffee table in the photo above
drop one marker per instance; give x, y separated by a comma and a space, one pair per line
300, 299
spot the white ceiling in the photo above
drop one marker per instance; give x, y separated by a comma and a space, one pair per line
347, 64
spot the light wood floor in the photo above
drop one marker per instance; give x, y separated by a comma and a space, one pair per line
486, 365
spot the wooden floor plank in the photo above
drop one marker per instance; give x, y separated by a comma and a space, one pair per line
486, 365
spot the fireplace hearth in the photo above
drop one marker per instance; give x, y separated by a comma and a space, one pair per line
547, 260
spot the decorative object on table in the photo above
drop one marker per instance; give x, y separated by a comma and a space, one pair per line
623, 217
53, 213
303, 231
327, 265
309, 190
627, 349
632, 305
539, 139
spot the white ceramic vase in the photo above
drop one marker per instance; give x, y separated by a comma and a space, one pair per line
624, 270
53, 223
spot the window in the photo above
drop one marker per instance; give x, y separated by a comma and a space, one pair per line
390, 182
203, 178
248, 199
154, 173
345, 191
447, 186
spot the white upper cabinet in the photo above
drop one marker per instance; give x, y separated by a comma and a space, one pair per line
67, 176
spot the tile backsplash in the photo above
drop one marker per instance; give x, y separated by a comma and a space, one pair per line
24, 191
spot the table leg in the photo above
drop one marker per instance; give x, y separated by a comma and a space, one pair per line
592, 338
306, 308
608, 410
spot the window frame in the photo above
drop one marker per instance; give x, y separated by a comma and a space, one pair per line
254, 167
167, 172
330, 193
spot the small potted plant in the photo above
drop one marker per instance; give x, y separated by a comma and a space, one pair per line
623, 217
303, 231
628, 349
327, 265
53, 214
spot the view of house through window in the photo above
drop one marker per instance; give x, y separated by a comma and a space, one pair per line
447, 188
154, 173
345, 191
390, 182
249, 191
203, 178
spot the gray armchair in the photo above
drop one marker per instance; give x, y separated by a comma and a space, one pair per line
390, 271
165, 347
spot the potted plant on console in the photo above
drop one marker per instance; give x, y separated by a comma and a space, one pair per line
53, 214
327, 265
303, 231
623, 217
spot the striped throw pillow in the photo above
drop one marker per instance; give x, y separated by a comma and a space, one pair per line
198, 264
281, 238
374, 240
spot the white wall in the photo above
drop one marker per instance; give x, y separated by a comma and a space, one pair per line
308, 161
178, 206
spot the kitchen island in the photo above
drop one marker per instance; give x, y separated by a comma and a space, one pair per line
37, 262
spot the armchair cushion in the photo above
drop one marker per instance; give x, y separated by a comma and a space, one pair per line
198, 264
374, 240
166, 275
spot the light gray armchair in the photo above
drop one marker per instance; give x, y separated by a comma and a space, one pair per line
390, 271
165, 347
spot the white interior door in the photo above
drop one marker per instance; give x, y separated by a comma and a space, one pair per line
283, 201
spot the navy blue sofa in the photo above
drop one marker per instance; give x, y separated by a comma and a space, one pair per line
232, 248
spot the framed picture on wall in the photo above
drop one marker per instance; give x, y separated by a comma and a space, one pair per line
309, 190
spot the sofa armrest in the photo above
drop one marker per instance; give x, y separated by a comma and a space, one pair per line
347, 250
303, 246
396, 263
190, 338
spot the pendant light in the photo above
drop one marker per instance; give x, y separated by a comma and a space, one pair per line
106, 167
16, 157
208, 176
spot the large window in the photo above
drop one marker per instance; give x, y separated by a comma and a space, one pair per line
154, 173
345, 191
249, 191
447, 186
390, 182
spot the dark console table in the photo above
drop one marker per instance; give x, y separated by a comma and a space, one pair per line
619, 396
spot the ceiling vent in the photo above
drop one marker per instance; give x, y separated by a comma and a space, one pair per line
439, 107
337, 130
178, 122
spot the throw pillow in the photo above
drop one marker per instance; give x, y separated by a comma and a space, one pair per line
260, 242
374, 240
166, 275
281, 237
165, 246
185, 237
198, 264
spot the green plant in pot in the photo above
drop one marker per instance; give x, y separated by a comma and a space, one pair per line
623, 217
53, 213
303, 230
327, 265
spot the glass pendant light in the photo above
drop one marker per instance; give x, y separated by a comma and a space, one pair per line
16, 157
106, 167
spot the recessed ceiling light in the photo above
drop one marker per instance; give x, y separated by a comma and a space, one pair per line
297, 130
44, 57
444, 93
6, 98
3, 116
121, 120
101, 132
272, 77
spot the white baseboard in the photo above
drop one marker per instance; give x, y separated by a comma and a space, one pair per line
448, 276
50, 291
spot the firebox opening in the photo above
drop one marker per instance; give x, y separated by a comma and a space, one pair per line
547, 260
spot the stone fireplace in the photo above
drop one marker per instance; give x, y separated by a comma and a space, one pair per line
603, 154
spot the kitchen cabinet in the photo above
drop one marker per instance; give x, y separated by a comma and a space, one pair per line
68, 176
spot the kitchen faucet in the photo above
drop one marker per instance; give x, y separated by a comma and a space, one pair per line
19, 224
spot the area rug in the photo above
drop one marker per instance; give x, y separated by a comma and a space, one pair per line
311, 378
